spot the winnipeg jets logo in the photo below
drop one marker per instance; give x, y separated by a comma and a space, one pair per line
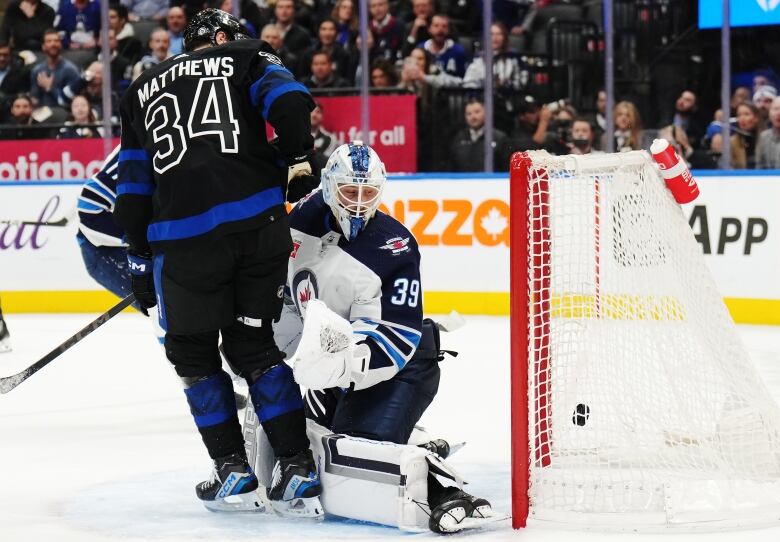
270, 58
304, 289
768, 5
396, 245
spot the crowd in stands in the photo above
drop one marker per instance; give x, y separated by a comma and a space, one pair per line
51, 73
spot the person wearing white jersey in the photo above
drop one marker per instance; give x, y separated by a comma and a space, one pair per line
364, 268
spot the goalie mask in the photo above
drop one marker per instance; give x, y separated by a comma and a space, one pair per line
352, 184
203, 28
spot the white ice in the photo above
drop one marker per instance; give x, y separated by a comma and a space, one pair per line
100, 444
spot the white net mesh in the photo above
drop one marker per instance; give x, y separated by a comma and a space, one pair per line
644, 405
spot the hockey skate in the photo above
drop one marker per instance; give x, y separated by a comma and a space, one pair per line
295, 487
5, 338
233, 487
458, 511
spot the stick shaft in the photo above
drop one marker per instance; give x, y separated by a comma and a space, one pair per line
10, 382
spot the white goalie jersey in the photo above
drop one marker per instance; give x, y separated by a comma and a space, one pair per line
372, 281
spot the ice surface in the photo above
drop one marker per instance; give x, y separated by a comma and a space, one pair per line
100, 444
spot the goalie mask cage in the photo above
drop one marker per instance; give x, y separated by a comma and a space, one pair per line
634, 402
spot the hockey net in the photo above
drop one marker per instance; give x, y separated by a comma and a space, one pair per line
635, 403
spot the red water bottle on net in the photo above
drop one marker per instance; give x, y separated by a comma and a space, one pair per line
675, 172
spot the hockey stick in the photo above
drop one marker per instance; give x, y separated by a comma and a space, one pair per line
57, 223
10, 382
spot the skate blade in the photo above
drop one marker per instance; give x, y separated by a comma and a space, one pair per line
253, 501
300, 508
456, 520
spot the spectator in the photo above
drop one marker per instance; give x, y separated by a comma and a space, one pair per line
763, 78
121, 68
295, 37
90, 85
327, 44
128, 46
19, 125
345, 15
78, 23
322, 74
507, 73
152, 10
740, 95
415, 67
227, 7
25, 22
468, 146
273, 36
387, 30
582, 137
14, 77
532, 124
50, 76
598, 119
743, 137
383, 74
762, 99
558, 138
768, 146
628, 128
77, 125
160, 47
686, 118
448, 55
324, 142
176, 21
678, 138
417, 30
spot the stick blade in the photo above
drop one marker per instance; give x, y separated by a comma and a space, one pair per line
10, 382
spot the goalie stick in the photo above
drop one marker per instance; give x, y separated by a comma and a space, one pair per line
10, 382
56, 223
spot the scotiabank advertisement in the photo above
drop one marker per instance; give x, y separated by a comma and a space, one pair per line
50, 159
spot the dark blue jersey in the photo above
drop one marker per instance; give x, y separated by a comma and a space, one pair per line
96, 205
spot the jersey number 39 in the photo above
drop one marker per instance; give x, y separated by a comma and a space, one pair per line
211, 114
406, 292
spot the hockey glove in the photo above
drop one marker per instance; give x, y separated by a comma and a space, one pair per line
300, 180
142, 280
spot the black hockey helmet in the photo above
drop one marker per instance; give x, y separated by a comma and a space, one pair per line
205, 24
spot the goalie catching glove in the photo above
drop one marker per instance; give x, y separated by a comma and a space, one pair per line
327, 355
300, 180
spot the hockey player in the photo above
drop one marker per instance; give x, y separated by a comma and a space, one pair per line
365, 266
5, 337
201, 200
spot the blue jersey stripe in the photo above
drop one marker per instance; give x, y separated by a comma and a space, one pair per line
157, 265
271, 97
141, 189
84, 205
220, 214
133, 154
397, 357
256, 90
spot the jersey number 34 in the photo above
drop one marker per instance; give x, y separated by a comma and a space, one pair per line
211, 115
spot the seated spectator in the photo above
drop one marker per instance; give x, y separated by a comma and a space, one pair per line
78, 23
322, 74
19, 124
324, 142
743, 137
176, 22
507, 72
295, 37
763, 77
415, 68
628, 128
14, 77
151, 10
740, 95
387, 30
686, 117
90, 85
582, 137
51, 75
557, 140
273, 36
121, 68
77, 125
128, 46
532, 123
768, 146
468, 146
417, 30
345, 16
762, 99
383, 74
448, 55
327, 43
24, 23
160, 47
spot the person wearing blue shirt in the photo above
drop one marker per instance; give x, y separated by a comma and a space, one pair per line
79, 22
449, 55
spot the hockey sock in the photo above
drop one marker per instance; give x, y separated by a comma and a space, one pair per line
279, 407
213, 406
